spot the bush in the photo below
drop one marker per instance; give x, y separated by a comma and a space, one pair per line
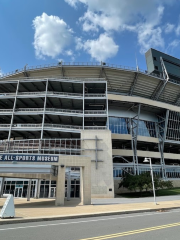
142, 182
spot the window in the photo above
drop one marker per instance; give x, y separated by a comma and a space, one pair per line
119, 125
156, 67
155, 58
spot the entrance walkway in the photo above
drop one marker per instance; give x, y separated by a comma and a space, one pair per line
42, 208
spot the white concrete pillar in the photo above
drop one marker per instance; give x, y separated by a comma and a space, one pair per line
85, 186
29, 191
2, 187
60, 186
81, 185
69, 185
38, 188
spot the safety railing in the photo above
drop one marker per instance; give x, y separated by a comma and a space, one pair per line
29, 109
95, 127
172, 172
93, 95
6, 110
57, 110
45, 146
84, 64
5, 125
46, 125
95, 112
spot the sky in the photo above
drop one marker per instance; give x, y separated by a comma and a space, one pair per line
113, 31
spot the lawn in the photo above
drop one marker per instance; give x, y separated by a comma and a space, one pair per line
161, 192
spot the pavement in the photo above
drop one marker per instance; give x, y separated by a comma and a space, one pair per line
37, 210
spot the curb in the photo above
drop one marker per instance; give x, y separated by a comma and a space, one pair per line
54, 218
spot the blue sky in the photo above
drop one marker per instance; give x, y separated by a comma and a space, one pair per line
115, 31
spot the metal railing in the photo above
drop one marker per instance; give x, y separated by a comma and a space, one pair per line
172, 172
49, 125
95, 127
58, 110
88, 64
45, 146
87, 95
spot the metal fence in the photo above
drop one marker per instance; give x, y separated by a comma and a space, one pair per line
45, 146
171, 171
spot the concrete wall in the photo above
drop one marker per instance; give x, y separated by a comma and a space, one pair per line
101, 178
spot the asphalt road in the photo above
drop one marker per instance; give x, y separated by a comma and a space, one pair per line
155, 225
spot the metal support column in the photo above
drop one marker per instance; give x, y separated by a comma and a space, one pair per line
162, 131
83, 103
107, 107
134, 133
14, 107
44, 110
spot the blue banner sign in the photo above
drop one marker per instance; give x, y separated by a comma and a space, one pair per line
28, 158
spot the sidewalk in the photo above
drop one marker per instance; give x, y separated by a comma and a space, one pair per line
45, 209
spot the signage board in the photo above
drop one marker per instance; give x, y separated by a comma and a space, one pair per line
28, 158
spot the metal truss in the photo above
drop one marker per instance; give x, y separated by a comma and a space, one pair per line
134, 83
162, 131
134, 133
96, 149
162, 84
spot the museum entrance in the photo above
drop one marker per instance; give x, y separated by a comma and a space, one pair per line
18, 192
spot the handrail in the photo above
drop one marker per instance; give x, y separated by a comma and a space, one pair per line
55, 110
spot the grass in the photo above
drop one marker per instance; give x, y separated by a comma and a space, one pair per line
161, 192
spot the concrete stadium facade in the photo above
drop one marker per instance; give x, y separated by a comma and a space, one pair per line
114, 115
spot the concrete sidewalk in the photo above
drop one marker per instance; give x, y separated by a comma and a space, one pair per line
45, 209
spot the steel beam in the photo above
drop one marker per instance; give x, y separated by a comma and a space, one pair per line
162, 84
136, 74
134, 123
162, 132
14, 107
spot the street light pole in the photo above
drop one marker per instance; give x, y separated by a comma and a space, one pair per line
149, 160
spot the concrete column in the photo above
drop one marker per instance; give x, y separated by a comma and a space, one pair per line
60, 186
85, 185
38, 188
81, 185
2, 187
69, 185
29, 191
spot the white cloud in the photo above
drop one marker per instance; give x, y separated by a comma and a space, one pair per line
149, 37
175, 43
169, 28
100, 49
178, 29
69, 52
1, 73
112, 15
52, 36
72, 3
140, 16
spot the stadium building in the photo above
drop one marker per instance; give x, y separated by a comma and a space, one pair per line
73, 129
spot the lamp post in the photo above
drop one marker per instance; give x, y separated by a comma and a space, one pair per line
149, 160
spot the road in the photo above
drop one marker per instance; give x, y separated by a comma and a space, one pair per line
154, 225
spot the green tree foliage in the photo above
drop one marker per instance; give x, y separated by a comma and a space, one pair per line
142, 182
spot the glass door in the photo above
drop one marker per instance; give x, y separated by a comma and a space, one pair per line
18, 192
53, 192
